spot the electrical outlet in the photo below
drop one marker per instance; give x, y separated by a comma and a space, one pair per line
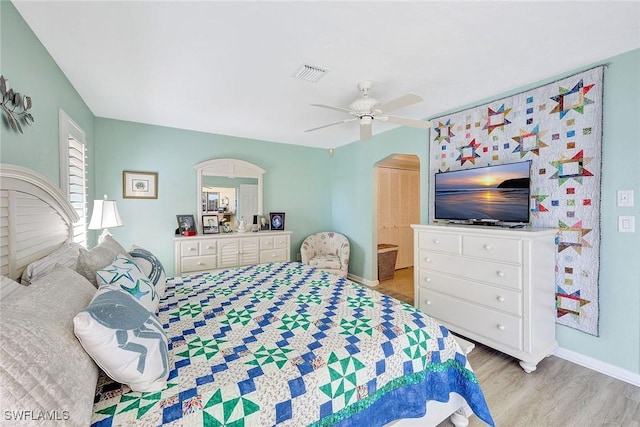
299, 257
627, 224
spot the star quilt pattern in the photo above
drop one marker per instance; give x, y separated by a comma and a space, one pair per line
558, 126
284, 344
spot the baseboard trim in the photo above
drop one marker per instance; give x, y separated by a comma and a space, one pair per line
599, 366
362, 280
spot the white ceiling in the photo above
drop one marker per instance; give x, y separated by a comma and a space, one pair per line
225, 67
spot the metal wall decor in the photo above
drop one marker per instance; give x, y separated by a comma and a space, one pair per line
15, 106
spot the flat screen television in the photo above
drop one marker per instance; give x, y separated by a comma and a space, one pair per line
498, 193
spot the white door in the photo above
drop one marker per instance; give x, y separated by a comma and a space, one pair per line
248, 202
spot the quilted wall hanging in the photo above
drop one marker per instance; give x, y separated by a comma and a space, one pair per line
559, 128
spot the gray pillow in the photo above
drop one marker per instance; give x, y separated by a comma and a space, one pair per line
89, 262
43, 367
66, 255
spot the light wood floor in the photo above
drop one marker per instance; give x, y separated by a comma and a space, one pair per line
558, 394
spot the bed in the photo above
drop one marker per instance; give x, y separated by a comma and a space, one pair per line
268, 344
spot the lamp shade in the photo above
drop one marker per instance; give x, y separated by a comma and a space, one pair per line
105, 214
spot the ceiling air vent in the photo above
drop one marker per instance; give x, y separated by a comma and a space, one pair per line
310, 73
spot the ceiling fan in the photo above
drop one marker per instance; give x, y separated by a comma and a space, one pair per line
366, 109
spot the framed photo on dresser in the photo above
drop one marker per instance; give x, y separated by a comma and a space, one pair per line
276, 219
186, 224
210, 224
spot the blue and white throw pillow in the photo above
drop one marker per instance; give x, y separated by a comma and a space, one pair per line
125, 339
125, 275
151, 266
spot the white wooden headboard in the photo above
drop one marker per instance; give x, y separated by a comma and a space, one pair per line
35, 218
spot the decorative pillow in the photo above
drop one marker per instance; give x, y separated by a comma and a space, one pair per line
151, 266
125, 340
110, 243
43, 367
123, 274
66, 255
9, 287
90, 262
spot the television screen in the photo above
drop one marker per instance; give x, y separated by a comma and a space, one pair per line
496, 193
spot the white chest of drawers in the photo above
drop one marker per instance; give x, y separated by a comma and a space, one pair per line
215, 251
493, 285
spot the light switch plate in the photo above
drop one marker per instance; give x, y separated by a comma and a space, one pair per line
627, 224
625, 198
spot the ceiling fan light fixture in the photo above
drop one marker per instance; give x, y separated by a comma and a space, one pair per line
366, 120
367, 109
364, 104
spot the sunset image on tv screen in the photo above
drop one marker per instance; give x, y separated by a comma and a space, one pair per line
499, 192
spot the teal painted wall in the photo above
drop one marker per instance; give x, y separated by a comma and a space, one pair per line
296, 181
316, 191
31, 70
352, 193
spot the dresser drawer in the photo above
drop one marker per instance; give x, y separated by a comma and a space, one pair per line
494, 248
274, 242
273, 255
441, 242
507, 275
199, 263
208, 247
496, 326
487, 295
189, 248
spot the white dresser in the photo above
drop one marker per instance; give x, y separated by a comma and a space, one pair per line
213, 251
490, 284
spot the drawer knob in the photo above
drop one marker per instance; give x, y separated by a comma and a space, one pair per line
192, 249
428, 302
209, 247
200, 263
501, 327
273, 256
436, 241
500, 273
428, 279
427, 259
501, 299
487, 247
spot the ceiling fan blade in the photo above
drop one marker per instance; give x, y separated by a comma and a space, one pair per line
403, 101
332, 124
365, 132
346, 110
404, 121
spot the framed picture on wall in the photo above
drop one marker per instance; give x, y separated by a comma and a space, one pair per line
210, 224
139, 185
276, 219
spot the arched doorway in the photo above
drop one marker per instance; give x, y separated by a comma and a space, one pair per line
398, 206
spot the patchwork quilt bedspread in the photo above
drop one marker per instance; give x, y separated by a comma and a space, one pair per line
288, 345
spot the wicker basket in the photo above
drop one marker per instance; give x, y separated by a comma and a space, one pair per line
387, 255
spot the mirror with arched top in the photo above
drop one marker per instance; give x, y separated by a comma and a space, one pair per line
230, 187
